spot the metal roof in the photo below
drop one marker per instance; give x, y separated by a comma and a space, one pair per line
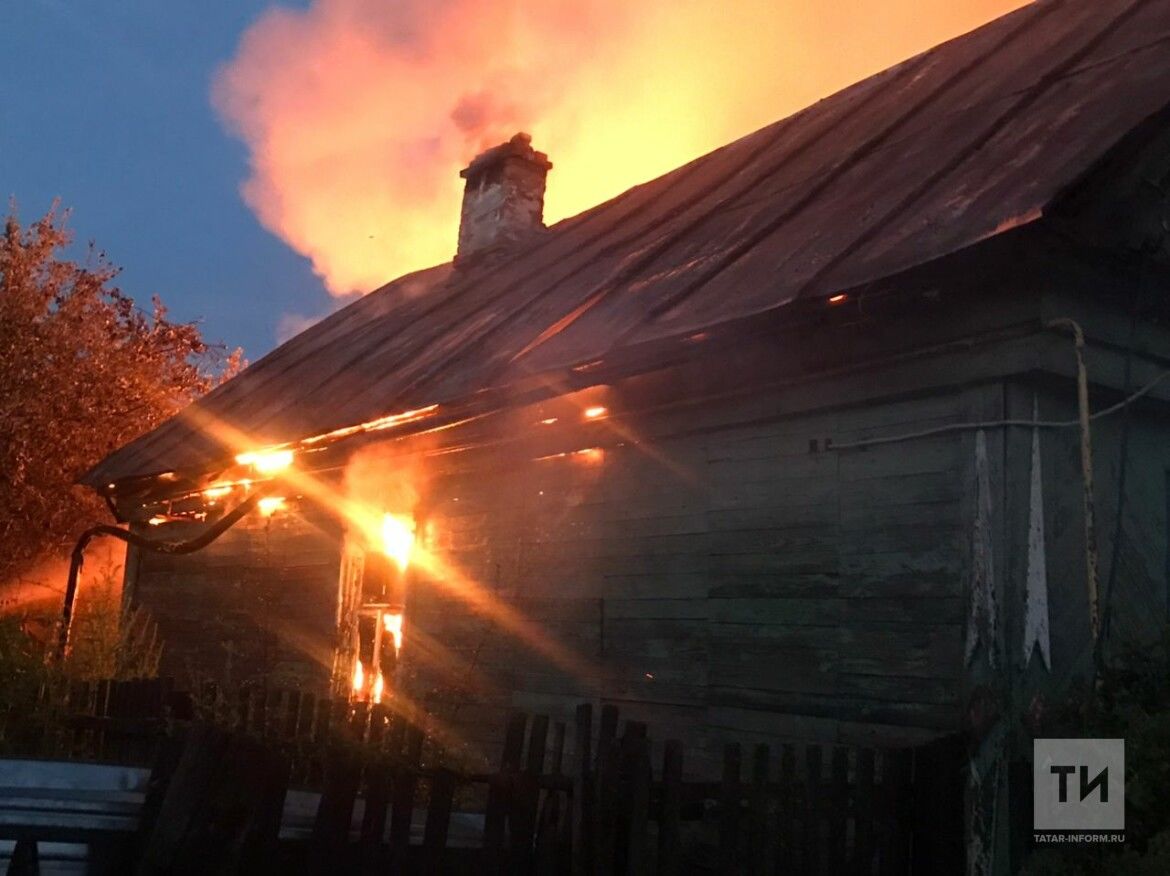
946, 149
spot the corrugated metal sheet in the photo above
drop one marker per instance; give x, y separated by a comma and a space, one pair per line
917, 162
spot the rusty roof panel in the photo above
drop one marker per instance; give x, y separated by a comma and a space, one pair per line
978, 135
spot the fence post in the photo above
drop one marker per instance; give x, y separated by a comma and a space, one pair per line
527, 797
330, 838
896, 799
500, 794
729, 792
438, 820
669, 816
582, 838
863, 815
761, 841
838, 809
788, 848
552, 823
638, 766
937, 811
608, 780
814, 801
402, 798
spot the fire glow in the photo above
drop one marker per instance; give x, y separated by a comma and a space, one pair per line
358, 114
269, 505
359, 676
398, 539
392, 622
266, 461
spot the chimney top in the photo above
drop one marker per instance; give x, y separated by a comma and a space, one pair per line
519, 147
503, 199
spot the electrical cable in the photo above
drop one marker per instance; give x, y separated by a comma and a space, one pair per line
997, 424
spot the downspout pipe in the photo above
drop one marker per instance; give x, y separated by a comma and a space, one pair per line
159, 547
1091, 579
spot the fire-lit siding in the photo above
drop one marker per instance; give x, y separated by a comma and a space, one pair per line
259, 603
734, 580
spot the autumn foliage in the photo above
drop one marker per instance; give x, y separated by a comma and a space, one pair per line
82, 371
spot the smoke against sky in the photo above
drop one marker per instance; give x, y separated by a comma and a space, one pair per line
358, 114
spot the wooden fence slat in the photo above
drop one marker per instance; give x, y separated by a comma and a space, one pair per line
500, 793
438, 820
222, 808
814, 801
761, 840
637, 855
608, 730
938, 826
838, 809
669, 832
863, 814
788, 846
582, 791
896, 771
330, 838
608, 780
25, 860
527, 799
729, 795
557, 755
377, 799
402, 797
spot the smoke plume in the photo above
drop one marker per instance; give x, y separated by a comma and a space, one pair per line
359, 113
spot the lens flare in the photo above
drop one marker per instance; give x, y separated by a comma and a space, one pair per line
269, 505
266, 461
398, 539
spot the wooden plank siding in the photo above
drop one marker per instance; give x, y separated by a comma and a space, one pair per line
259, 603
733, 577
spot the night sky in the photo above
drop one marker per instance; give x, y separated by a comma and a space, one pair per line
105, 107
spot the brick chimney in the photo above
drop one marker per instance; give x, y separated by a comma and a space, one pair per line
503, 200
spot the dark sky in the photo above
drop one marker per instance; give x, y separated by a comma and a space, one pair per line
105, 106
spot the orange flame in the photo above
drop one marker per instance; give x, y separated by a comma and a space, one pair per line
359, 676
379, 687
392, 622
398, 538
269, 505
266, 461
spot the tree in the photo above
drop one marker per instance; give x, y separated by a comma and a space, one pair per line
82, 371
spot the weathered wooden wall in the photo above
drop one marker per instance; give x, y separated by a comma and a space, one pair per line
258, 603
718, 579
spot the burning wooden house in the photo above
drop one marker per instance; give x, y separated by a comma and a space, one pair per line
785, 443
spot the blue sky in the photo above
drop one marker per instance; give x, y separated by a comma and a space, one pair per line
105, 106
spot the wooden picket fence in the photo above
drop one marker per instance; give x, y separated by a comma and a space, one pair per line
588, 798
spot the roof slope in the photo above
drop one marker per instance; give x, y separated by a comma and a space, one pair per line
924, 159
